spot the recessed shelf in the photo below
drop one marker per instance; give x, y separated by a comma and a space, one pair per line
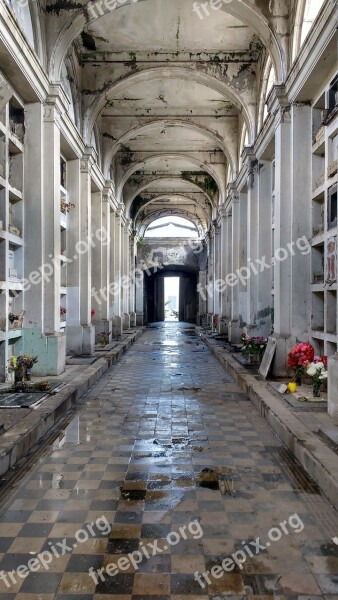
14, 333
63, 221
14, 144
14, 195
15, 239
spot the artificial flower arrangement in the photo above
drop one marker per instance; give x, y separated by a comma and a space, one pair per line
21, 365
299, 358
63, 311
215, 323
104, 338
92, 312
318, 372
254, 345
65, 207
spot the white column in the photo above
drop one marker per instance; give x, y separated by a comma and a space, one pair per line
74, 327
283, 217
223, 253
88, 343
118, 271
234, 325
264, 278
252, 248
333, 386
243, 259
301, 202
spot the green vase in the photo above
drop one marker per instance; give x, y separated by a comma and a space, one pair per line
316, 389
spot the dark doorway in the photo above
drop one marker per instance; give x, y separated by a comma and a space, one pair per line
155, 297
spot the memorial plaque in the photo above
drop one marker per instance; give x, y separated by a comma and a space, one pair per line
268, 357
20, 400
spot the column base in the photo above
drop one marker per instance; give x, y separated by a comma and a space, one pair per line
102, 327
132, 319
332, 397
235, 331
88, 339
126, 321
74, 338
139, 319
117, 327
50, 350
223, 325
284, 344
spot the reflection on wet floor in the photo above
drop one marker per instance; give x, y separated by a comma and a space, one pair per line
166, 439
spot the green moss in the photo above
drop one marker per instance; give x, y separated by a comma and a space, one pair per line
202, 179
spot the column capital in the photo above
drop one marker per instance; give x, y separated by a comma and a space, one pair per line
279, 104
56, 104
88, 159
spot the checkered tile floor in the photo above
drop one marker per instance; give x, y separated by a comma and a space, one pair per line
164, 438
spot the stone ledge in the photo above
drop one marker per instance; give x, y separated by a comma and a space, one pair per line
315, 457
18, 440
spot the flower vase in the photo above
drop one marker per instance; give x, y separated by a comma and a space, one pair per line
28, 375
18, 375
316, 389
298, 378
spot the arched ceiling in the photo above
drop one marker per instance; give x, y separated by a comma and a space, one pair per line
168, 92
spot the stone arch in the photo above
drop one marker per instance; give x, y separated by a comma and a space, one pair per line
168, 72
194, 161
163, 123
174, 209
237, 8
169, 178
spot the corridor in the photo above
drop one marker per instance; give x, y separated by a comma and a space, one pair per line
166, 458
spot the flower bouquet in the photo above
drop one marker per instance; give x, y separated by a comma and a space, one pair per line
254, 347
215, 324
299, 358
318, 374
104, 338
21, 365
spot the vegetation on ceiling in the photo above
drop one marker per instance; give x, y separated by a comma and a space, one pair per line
203, 180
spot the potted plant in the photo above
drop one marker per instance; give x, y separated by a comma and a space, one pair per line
318, 373
299, 358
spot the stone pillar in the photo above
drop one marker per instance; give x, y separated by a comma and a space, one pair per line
74, 331
333, 387
117, 310
125, 275
234, 325
301, 199
252, 248
132, 291
202, 296
223, 251
243, 260
41, 334
105, 241
264, 278
283, 215
52, 362
228, 267
88, 339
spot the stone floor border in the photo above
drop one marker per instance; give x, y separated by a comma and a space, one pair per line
316, 458
20, 438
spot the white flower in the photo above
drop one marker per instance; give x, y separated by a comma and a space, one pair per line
311, 370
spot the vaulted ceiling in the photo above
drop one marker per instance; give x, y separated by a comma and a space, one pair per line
167, 93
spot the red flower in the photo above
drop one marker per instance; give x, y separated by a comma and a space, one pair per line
92, 312
301, 355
